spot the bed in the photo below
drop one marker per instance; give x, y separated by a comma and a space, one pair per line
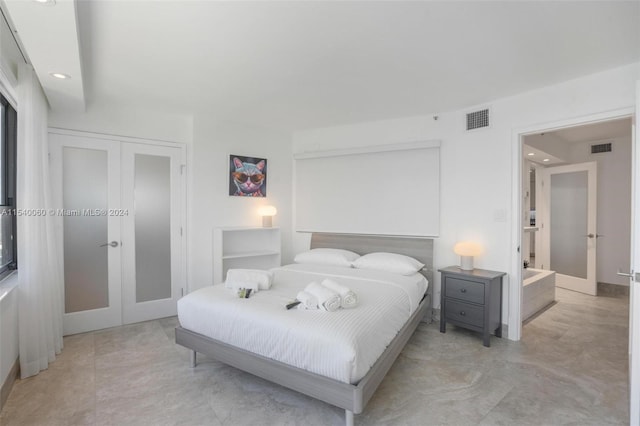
336, 377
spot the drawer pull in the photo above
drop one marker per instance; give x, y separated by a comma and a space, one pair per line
463, 290
463, 313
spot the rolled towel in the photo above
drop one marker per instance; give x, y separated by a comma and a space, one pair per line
307, 300
328, 300
348, 299
262, 278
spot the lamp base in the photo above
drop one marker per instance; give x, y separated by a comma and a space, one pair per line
466, 263
267, 221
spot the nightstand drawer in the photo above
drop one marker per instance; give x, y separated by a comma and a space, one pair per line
464, 312
470, 291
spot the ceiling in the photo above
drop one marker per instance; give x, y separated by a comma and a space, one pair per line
301, 64
542, 146
596, 132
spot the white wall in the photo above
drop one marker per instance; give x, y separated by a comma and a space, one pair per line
614, 206
477, 166
210, 205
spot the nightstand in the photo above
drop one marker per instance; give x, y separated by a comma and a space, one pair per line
471, 299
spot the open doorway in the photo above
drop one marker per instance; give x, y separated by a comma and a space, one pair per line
573, 238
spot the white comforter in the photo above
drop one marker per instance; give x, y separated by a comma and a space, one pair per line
342, 345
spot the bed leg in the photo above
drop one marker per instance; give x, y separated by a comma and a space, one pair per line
192, 362
348, 418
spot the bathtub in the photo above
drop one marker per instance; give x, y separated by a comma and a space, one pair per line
538, 290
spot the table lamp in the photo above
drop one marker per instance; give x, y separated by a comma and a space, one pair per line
466, 250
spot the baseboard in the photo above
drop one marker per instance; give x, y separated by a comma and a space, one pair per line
606, 289
8, 383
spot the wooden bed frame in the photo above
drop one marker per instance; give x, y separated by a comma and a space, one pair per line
353, 398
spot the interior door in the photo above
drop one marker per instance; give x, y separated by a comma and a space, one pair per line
568, 226
86, 182
151, 214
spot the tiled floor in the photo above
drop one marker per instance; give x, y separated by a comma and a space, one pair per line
569, 368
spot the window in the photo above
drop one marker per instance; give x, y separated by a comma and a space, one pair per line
8, 250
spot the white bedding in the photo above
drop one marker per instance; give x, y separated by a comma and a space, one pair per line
342, 345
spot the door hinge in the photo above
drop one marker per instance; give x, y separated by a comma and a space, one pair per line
181, 292
181, 231
182, 167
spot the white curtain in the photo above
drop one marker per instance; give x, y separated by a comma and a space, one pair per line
39, 262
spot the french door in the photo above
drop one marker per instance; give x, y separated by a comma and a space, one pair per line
119, 212
568, 221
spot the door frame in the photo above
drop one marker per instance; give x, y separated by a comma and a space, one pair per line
634, 282
573, 283
514, 320
184, 165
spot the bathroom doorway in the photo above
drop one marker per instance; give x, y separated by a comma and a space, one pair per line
555, 253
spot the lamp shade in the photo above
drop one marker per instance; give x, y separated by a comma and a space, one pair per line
467, 248
267, 211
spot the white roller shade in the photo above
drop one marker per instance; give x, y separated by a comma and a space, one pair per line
389, 190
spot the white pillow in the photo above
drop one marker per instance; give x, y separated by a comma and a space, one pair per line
327, 256
389, 262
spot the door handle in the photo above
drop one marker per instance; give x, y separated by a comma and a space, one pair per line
590, 235
624, 274
111, 244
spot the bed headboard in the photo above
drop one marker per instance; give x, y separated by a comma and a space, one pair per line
416, 247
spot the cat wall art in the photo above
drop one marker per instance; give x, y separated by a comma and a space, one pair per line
247, 176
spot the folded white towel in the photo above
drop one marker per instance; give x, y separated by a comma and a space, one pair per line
307, 300
328, 300
348, 299
262, 278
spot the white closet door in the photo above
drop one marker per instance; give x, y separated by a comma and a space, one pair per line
86, 183
152, 241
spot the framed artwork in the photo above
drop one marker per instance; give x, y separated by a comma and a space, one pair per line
247, 176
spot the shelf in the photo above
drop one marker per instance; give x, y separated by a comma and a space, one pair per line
251, 254
530, 229
244, 247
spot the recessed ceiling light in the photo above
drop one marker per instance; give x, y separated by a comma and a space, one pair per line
47, 2
60, 75
531, 153
546, 159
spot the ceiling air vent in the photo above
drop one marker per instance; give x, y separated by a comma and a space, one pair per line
603, 147
478, 119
